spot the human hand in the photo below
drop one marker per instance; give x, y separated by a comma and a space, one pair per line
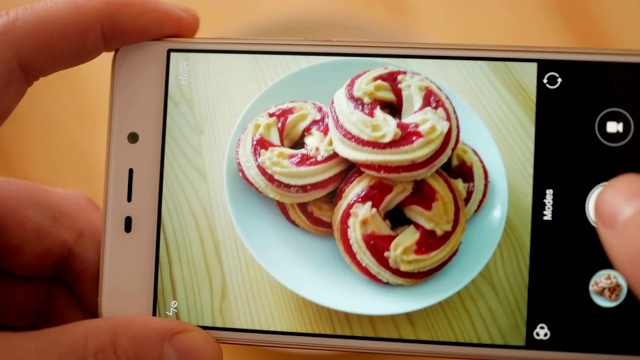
618, 219
49, 238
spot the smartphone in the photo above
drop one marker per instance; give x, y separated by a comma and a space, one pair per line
389, 198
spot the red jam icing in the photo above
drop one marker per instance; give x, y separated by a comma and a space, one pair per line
321, 125
283, 209
297, 189
282, 115
301, 159
409, 132
260, 144
308, 214
378, 244
346, 183
424, 195
414, 167
464, 171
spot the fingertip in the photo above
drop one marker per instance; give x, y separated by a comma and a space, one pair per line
48, 36
187, 16
113, 338
618, 201
126, 22
617, 212
196, 345
187, 11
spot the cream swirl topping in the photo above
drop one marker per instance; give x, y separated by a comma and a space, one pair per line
442, 218
382, 106
402, 253
286, 153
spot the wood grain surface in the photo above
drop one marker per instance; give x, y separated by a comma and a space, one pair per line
207, 269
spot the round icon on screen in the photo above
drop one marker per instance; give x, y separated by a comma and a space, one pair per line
608, 288
590, 205
552, 80
541, 332
614, 127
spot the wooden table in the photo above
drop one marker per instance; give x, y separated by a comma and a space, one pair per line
57, 135
209, 270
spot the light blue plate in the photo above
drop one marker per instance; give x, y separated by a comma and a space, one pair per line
601, 300
310, 265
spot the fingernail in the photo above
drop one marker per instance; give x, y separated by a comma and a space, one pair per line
615, 205
192, 345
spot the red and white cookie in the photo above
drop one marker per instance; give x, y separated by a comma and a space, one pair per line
398, 232
394, 123
314, 216
286, 153
468, 170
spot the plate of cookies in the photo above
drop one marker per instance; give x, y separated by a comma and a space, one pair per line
608, 288
366, 187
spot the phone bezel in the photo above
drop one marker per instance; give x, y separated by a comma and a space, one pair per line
137, 104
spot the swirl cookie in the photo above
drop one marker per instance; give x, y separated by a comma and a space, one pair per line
314, 216
607, 286
394, 123
398, 232
468, 170
286, 153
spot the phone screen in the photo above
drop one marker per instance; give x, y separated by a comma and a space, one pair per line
528, 270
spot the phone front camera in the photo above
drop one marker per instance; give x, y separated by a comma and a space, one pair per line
133, 137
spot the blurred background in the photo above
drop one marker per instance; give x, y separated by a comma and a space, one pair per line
58, 134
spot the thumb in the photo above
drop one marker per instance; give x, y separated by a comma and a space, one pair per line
618, 224
112, 338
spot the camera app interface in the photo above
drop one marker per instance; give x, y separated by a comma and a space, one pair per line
393, 198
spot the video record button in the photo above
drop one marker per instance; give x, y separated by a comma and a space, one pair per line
614, 127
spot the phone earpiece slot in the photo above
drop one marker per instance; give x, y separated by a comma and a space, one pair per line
130, 185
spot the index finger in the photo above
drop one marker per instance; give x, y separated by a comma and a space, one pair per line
39, 39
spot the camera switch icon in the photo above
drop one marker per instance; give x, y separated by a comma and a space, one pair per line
552, 80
